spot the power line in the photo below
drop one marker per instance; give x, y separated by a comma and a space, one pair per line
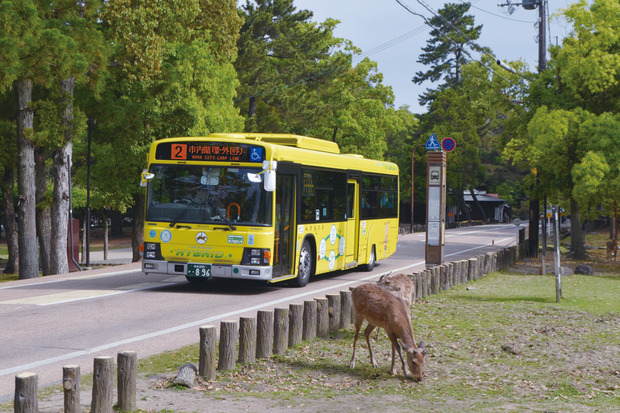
469, 40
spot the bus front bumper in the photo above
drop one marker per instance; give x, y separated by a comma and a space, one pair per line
242, 272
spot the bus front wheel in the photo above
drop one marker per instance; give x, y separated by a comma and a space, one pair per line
306, 265
371, 260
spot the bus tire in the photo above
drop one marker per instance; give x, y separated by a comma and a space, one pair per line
306, 265
371, 260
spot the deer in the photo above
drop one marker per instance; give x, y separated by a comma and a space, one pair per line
612, 249
383, 309
398, 284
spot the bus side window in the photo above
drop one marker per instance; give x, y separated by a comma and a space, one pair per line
350, 201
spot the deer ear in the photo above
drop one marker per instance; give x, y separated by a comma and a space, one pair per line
421, 344
406, 347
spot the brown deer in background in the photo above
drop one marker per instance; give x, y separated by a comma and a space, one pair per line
398, 284
383, 309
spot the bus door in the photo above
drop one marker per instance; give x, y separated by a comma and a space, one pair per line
285, 225
352, 223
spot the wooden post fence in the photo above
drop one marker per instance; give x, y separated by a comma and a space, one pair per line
206, 360
26, 393
269, 333
71, 388
103, 385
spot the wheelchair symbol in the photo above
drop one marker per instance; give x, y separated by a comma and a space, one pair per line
256, 155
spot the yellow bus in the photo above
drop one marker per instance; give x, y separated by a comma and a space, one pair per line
271, 207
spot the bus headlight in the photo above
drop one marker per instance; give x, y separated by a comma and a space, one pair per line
152, 251
256, 256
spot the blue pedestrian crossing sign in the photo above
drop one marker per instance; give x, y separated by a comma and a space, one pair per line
432, 144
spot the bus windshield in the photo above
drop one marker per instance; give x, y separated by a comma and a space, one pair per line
211, 195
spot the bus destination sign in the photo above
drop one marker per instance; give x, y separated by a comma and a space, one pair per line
209, 151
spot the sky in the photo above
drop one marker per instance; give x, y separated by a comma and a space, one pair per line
393, 37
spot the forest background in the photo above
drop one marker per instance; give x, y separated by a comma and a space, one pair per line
86, 87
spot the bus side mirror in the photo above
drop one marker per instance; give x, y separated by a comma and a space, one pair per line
270, 175
270, 181
145, 176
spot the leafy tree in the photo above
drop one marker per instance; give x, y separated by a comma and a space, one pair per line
8, 165
284, 60
24, 47
573, 132
79, 57
173, 77
453, 31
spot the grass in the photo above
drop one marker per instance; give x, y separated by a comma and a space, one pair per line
501, 343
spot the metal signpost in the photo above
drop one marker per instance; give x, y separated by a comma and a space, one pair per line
558, 269
517, 223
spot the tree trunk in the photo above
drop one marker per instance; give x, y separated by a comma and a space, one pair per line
116, 223
106, 234
251, 107
26, 205
12, 266
137, 234
577, 244
59, 263
43, 212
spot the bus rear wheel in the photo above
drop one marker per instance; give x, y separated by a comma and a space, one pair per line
371, 260
306, 265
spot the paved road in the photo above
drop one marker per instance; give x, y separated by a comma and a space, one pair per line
65, 319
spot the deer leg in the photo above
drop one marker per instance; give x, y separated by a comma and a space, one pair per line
396, 348
357, 331
367, 333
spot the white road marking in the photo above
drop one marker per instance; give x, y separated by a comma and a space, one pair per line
79, 295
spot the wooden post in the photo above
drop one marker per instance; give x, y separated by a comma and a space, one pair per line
228, 345
346, 307
295, 324
471, 272
425, 275
26, 389
322, 317
206, 360
309, 331
103, 385
247, 340
435, 279
414, 293
264, 334
71, 387
334, 311
280, 330
443, 277
127, 380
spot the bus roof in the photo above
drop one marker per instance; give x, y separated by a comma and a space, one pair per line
303, 149
303, 142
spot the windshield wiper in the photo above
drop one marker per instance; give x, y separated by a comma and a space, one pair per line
181, 215
217, 214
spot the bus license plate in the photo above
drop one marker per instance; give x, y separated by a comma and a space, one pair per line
199, 270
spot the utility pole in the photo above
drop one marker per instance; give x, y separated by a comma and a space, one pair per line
534, 212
